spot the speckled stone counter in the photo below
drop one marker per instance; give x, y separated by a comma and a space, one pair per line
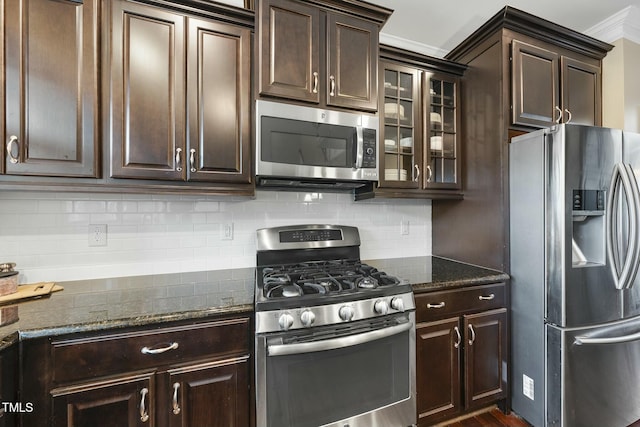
433, 273
99, 304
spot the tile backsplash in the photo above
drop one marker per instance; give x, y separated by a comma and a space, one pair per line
47, 234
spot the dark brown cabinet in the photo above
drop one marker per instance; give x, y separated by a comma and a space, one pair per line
316, 55
50, 88
419, 121
520, 68
185, 375
179, 98
550, 88
461, 351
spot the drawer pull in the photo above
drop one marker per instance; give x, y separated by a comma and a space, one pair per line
487, 298
440, 305
176, 405
144, 414
147, 350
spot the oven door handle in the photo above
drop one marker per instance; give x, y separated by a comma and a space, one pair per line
334, 343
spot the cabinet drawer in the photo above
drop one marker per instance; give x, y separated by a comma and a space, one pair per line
434, 305
89, 357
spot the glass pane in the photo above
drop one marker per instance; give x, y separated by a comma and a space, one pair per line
448, 170
406, 113
435, 143
448, 120
390, 138
406, 167
406, 140
390, 83
448, 94
406, 85
392, 110
449, 145
436, 92
390, 167
435, 118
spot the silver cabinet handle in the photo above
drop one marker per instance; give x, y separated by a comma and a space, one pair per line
569, 113
473, 335
315, 82
430, 175
147, 350
176, 406
179, 159
417, 168
192, 159
13, 140
144, 414
439, 305
559, 114
332, 86
459, 340
487, 298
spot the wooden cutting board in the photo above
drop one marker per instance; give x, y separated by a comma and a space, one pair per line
31, 291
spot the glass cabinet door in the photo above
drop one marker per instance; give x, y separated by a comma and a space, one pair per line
401, 144
443, 169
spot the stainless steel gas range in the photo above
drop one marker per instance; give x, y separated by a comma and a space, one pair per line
335, 338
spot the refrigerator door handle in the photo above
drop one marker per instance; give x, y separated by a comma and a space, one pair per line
623, 275
580, 340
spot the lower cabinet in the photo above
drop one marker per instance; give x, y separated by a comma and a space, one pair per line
188, 376
461, 345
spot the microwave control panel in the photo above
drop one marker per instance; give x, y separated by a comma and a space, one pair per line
369, 148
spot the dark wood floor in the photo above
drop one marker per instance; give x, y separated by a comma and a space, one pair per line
492, 418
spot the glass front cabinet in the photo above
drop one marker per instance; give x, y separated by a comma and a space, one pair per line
420, 138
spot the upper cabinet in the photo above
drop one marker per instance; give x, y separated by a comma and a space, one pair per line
420, 142
549, 87
322, 56
523, 73
50, 88
179, 99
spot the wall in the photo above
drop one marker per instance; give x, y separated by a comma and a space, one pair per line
46, 234
621, 87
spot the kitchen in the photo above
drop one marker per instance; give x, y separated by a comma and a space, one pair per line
212, 233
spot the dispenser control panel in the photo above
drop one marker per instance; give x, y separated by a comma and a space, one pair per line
588, 200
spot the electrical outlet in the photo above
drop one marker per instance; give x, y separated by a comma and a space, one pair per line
404, 227
527, 387
226, 231
97, 234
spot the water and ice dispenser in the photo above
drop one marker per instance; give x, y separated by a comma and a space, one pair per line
588, 243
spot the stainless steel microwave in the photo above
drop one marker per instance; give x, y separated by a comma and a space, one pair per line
315, 146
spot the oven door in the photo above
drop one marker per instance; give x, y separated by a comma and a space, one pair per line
361, 375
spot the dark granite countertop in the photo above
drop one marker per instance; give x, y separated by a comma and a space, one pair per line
101, 304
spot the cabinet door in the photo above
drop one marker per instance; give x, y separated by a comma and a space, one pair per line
126, 402
581, 92
438, 346
219, 75
442, 170
485, 357
147, 78
214, 394
401, 158
352, 62
289, 50
51, 87
535, 85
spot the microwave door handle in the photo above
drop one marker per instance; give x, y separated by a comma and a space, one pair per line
334, 343
359, 148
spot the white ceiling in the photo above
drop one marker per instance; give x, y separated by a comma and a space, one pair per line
436, 27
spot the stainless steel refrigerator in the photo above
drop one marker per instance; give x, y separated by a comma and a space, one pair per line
575, 245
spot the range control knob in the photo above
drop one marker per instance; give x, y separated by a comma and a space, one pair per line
307, 318
397, 304
381, 306
285, 321
346, 313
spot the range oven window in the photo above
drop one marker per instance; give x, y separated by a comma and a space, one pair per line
312, 389
298, 142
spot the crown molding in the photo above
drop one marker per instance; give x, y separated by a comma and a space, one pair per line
622, 25
411, 45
